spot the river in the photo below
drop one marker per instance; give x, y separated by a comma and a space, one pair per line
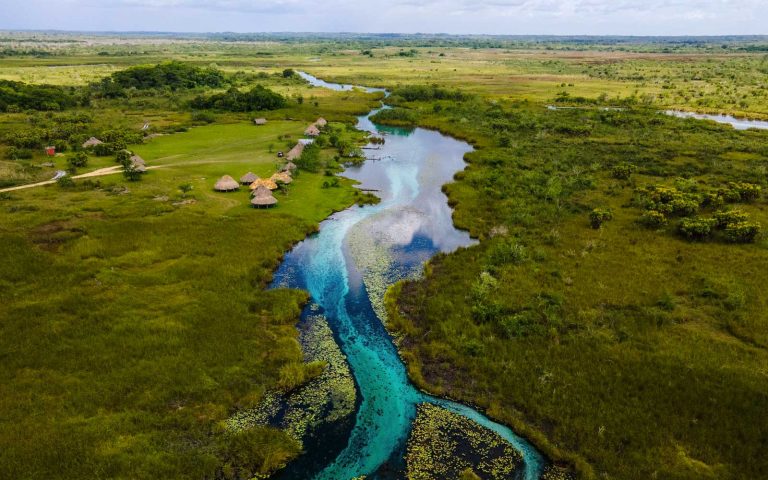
347, 266
737, 123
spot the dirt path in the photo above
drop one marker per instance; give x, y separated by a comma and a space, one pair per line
96, 173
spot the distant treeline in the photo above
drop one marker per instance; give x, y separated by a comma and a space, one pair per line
171, 75
16, 96
258, 98
413, 93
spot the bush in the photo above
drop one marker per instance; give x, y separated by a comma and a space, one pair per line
623, 171
15, 153
309, 159
395, 116
203, 117
742, 232
123, 157
78, 160
599, 216
65, 182
696, 228
507, 251
653, 219
729, 217
747, 192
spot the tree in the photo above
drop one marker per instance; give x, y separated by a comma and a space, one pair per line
185, 188
130, 173
288, 73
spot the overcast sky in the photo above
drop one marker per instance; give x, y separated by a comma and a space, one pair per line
515, 17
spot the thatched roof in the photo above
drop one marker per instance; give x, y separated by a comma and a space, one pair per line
312, 131
264, 182
259, 121
137, 160
283, 177
139, 167
91, 142
262, 197
226, 184
321, 122
248, 178
289, 167
295, 152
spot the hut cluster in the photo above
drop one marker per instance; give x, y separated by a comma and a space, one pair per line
261, 188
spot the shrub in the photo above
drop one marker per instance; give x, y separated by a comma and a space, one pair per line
78, 160
130, 173
15, 153
696, 228
623, 171
742, 232
65, 182
203, 117
729, 217
507, 251
123, 157
599, 216
684, 206
653, 219
747, 192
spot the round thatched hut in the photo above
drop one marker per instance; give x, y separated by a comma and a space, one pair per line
312, 131
289, 167
137, 160
92, 142
282, 177
263, 198
226, 184
321, 122
259, 121
248, 178
264, 182
295, 152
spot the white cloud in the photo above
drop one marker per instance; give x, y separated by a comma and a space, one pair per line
636, 17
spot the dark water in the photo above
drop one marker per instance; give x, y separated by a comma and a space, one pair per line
347, 266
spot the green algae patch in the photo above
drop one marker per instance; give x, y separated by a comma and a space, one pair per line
327, 399
443, 445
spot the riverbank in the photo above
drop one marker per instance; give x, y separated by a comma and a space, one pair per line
543, 323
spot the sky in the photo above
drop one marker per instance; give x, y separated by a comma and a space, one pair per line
511, 17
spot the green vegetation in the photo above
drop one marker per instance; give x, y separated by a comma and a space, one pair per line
445, 445
134, 318
581, 338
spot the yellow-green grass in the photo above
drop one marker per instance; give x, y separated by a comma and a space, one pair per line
629, 352
135, 319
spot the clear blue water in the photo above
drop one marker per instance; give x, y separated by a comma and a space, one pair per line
381, 244
737, 123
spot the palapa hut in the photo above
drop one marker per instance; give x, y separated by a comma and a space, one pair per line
263, 198
259, 121
92, 142
312, 131
321, 122
282, 177
295, 152
226, 184
289, 167
138, 164
248, 178
264, 182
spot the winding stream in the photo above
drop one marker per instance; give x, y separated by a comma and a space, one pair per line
347, 266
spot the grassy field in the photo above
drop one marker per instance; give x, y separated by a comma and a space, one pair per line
135, 320
628, 351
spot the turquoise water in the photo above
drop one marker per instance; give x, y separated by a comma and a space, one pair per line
346, 267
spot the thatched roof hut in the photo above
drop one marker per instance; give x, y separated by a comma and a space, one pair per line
137, 160
226, 184
139, 167
282, 177
264, 182
312, 131
295, 152
248, 178
92, 142
259, 121
289, 167
263, 198
321, 122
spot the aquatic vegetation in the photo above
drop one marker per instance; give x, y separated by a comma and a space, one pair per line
444, 445
326, 399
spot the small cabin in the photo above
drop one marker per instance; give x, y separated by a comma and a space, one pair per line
259, 121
